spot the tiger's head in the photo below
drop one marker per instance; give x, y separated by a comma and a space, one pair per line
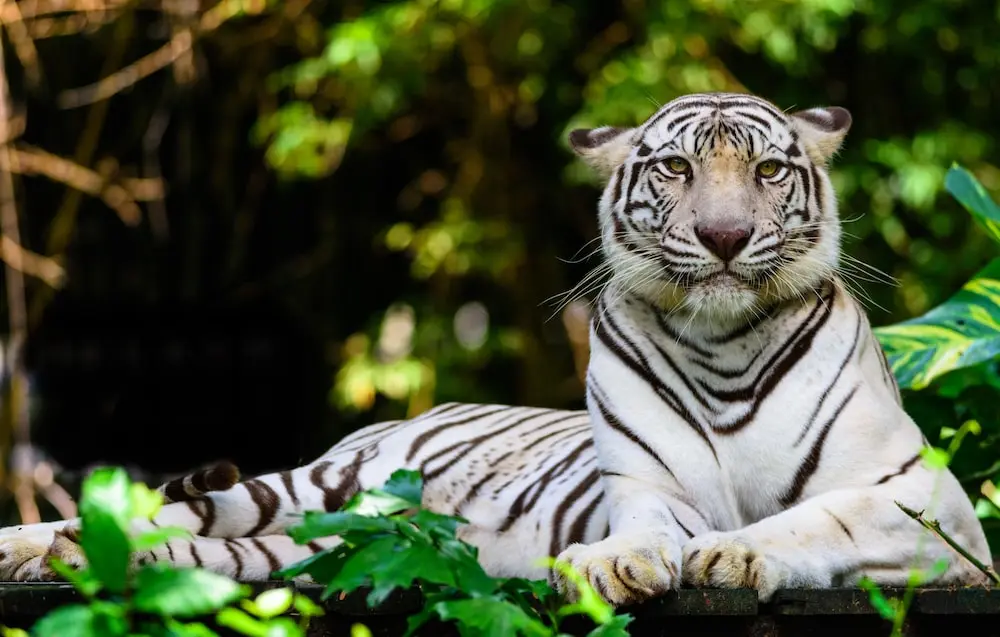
719, 203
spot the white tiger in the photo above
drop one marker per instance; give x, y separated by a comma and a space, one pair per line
744, 429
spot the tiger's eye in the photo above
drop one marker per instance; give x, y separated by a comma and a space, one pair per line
678, 165
767, 168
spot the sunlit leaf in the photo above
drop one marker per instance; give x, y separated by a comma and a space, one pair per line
306, 607
270, 603
242, 623
589, 602
883, 606
151, 539
143, 501
105, 509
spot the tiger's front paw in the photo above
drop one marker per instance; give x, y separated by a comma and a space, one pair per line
623, 569
725, 560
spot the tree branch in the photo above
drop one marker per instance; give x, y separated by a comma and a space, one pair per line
935, 527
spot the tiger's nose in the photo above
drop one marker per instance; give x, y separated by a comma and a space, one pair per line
724, 241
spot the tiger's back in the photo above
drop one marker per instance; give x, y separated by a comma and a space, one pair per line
525, 478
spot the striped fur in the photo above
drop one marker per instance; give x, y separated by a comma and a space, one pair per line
744, 428
216, 477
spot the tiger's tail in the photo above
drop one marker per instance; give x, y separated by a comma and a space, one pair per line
219, 476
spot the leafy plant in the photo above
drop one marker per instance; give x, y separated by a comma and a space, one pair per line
963, 332
947, 361
390, 542
952, 354
157, 599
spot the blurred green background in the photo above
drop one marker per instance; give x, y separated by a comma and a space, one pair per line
378, 196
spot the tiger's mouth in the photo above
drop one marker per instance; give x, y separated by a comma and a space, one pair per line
722, 278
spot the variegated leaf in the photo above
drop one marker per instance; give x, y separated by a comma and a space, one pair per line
962, 332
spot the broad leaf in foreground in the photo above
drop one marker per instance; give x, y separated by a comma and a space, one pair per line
184, 592
962, 332
105, 510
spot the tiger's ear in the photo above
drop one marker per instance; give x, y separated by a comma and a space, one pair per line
604, 149
822, 130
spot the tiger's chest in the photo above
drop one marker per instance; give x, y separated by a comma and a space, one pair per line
761, 400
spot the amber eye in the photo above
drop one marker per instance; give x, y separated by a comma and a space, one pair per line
678, 165
768, 168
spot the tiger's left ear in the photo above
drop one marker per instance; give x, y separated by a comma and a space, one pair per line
604, 149
822, 130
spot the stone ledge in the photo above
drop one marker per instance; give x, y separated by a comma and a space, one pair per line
687, 612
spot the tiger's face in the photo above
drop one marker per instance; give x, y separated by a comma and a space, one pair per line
719, 203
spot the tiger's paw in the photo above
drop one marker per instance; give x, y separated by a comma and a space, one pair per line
25, 555
623, 569
725, 560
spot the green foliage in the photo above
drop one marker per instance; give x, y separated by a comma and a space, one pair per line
951, 353
389, 542
152, 600
963, 332
947, 363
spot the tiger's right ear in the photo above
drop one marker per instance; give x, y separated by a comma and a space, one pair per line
604, 149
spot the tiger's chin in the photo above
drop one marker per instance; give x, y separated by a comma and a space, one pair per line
722, 297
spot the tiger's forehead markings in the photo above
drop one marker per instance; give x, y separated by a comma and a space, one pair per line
719, 115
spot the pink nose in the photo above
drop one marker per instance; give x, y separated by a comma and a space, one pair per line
724, 242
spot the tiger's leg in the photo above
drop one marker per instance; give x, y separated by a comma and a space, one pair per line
259, 506
837, 537
641, 557
249, 559
21, 554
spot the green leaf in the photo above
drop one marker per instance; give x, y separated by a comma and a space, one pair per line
306, 607
406, 485
242, 623
935, 458
191, 629
360, 630
490, 617
82, 580
77, 620
616, 627
589, 602
322, 566
144, 502
183, 592
962, 332
150, 539
406, 563
883, 606
375, 502
360, 565
970, 193
283, 627
270, 603
104, 509
316, 525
